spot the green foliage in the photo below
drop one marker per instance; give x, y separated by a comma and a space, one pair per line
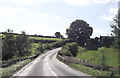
40, 48
34, 48
9, 46
23, 44
73, 48
69, 49
81, 50
80, 31
58, 35
65, 51
47, 46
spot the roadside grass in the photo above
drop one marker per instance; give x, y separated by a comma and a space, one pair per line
93, 57
9, 71
110, 56
89, 70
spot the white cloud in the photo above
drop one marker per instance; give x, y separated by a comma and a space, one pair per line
27, 2
108, 18
99, 31
10, 10
58, 18
113, 10
103, 1
78, 2
45, 15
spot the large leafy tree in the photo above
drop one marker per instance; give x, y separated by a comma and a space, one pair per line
8, 45
79, 31
116, 30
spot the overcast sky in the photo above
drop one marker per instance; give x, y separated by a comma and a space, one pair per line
45, 17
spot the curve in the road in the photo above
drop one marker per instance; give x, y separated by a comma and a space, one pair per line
48, 65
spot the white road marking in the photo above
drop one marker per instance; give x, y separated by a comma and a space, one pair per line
61, 63
49, 66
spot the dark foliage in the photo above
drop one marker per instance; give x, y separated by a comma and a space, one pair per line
58, 35
79, 31
9, 46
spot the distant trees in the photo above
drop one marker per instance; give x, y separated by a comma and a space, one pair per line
79, 31
58, 35
116, 30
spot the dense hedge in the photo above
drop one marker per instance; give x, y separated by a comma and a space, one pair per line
69, 49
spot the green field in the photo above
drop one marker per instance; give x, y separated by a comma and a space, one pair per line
43, 38
95, 57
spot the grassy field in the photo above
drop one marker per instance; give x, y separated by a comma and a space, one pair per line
39, 38
43, 38
95, 57
110, 56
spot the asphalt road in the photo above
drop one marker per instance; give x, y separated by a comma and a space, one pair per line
47, 65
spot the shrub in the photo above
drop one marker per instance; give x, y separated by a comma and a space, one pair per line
65, 52
69, 49
46, 47
73, 48
81, 50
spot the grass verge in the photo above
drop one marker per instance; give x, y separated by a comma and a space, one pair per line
9, 71
93, 72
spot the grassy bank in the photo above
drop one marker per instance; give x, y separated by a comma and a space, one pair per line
89, 70
103, 57
95, 56
9, 71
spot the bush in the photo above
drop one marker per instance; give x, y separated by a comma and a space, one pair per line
46, 46
73, 48
81, 50
65, 52
69, 49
